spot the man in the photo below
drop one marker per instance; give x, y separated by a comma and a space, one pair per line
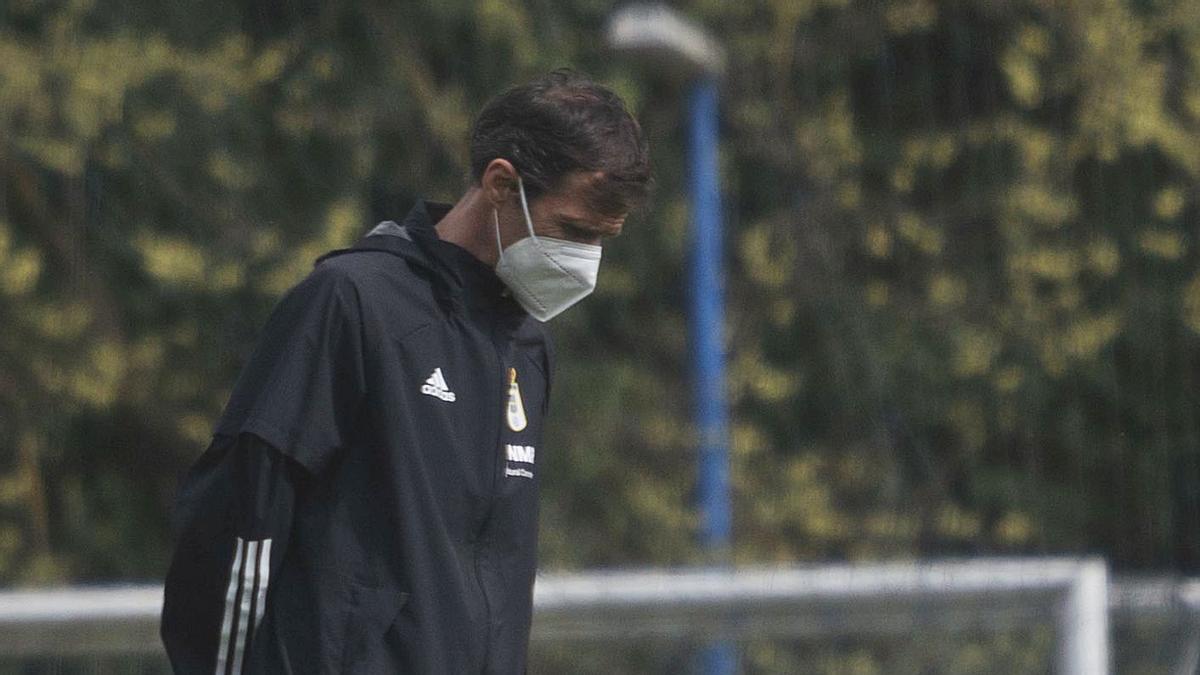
368, 503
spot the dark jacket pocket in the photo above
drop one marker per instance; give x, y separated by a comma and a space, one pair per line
373, 609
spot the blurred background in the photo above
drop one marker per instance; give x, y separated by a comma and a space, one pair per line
961, 266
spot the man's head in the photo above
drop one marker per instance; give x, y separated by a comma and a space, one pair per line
557, 164
579, 154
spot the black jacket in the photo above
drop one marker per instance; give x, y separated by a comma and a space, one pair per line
368, 503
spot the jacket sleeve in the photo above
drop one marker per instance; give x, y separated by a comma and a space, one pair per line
291, 410
302, 387
235, 511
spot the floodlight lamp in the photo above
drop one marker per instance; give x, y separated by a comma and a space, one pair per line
666, 40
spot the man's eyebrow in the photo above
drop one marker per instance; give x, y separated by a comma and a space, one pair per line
580, 225
576, 224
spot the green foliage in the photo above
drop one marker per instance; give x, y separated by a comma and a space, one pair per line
964, 299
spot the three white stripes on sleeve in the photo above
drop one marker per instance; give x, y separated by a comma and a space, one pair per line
248, 577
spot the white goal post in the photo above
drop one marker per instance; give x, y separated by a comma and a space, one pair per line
804, 601
838, 599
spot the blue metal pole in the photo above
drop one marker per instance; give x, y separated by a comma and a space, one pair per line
707, 321
708, 345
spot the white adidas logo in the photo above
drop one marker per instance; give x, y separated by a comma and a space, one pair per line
436, 386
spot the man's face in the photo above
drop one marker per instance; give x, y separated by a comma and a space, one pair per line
565, 214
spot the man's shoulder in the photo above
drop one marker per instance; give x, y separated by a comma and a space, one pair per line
381, 283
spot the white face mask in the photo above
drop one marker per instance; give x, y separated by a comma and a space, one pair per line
546, 275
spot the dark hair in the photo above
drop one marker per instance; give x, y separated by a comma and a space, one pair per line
560, 123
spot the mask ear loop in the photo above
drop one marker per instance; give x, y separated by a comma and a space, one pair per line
499, 245
525, 208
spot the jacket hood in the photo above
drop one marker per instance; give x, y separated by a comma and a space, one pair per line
457, 275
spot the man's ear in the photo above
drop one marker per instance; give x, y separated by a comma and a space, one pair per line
499, 181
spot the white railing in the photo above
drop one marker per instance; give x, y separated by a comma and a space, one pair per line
710, 604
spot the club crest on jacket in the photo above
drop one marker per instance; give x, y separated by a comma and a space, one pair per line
515, 411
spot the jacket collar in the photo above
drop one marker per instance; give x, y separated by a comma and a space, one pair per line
459, 277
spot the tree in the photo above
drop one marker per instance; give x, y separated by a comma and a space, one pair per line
963, 289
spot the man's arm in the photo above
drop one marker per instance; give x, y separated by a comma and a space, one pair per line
219, 586
292, 410
264, 495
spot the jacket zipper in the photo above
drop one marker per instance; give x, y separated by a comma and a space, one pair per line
502, 400
481, 534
